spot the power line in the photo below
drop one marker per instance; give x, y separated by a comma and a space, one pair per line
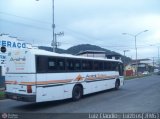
25, 18
26, 25
88, 38
79, 34
82, 36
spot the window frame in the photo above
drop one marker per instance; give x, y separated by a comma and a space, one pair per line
105, 65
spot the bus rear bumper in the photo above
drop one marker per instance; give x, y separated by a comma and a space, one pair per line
21, 97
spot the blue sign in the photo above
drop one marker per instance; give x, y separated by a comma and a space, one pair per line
2, 59
12, 44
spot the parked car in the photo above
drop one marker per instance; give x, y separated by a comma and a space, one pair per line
145, 72
156, 70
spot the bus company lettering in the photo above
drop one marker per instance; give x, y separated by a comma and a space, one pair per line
3, 59
20, 62
97, 76
12, 44
91, 77
20, 59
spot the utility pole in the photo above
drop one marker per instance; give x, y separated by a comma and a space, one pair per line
153, 62
125, 52
53, 27
158, 53
57, 43
158, 59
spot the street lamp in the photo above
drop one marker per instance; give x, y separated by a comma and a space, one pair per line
135, 37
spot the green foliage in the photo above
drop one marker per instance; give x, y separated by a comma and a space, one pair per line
2, 95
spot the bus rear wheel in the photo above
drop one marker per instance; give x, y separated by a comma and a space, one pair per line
77, 92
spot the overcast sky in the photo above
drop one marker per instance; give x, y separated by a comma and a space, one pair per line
97, 22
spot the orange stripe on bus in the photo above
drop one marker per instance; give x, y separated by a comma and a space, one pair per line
61, 81
11, 82
46, 82
39, 82
102, 77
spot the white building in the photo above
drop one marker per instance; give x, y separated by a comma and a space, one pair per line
101, 54
91, 53
8, 43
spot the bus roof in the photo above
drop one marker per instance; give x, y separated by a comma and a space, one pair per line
48, 53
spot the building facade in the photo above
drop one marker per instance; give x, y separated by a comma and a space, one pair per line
7, 43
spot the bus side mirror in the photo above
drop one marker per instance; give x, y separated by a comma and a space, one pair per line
3, 49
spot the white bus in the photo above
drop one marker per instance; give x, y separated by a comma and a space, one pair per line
35, 75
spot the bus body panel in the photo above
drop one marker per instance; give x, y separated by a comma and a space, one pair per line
16, 87
49, 93
57, 86
17, 83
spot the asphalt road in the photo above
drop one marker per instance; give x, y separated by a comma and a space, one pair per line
137, 95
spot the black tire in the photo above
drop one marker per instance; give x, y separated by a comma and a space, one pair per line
117, 84
77, 93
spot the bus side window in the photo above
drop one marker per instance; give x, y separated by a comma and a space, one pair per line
107, 66
99, 65
87, 65
52, 64
84, 65
70, 65
77, 65
61, 64
90, 65
41, 64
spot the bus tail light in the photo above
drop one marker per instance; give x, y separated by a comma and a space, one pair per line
29, 89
